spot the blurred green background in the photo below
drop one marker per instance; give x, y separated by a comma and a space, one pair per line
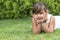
21, 29
10, 9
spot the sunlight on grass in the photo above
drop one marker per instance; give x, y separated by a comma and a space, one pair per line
21, 29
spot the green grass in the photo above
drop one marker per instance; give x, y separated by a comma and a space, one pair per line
21, 29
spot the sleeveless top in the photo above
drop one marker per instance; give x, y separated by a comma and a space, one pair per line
57, 21
48, 18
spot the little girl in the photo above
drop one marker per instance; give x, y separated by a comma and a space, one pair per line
42, 20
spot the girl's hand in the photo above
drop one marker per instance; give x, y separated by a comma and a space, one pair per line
38, 21
45, 18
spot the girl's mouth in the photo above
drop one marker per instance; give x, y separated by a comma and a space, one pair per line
40, 18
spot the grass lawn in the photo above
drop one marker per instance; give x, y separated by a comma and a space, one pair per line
21, 29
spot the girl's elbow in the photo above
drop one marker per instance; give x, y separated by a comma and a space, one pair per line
36, 32
51, 31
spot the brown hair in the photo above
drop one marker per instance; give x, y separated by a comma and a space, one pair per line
39, 7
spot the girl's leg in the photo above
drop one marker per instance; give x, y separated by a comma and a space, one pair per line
57, 27
57, 22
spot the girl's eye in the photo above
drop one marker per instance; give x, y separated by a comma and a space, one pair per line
41, 12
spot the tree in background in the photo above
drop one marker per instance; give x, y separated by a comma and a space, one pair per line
23, 8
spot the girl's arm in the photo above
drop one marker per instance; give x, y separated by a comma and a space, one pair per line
50, 27
36, 27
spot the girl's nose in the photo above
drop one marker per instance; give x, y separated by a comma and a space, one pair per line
40, 15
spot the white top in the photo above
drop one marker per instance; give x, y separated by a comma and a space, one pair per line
57, 21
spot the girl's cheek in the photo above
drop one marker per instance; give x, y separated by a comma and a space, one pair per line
42, 15
45, 15
36, 16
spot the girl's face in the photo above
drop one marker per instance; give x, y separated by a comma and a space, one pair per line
41, 15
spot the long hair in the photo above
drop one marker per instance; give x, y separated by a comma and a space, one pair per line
38, 7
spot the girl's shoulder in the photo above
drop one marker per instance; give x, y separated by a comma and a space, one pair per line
49, 16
